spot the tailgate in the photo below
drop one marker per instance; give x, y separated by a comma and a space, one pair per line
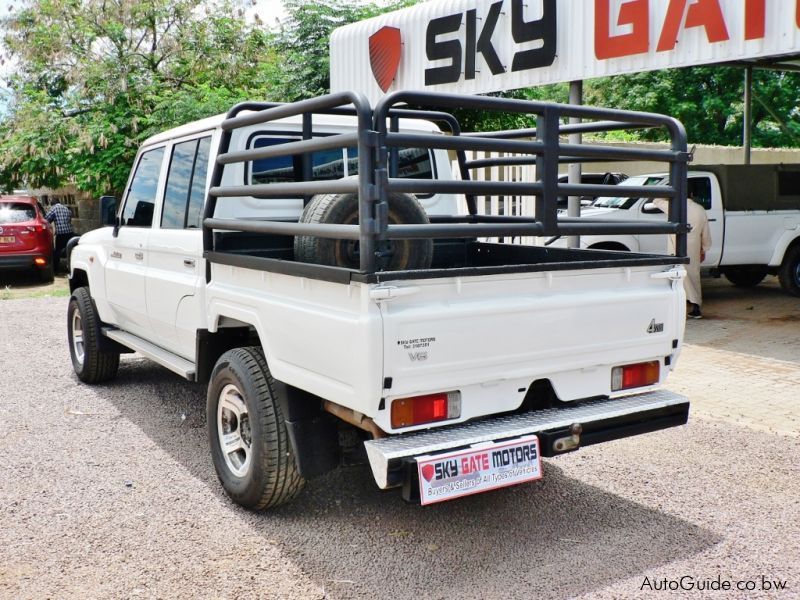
491, 336
18, 237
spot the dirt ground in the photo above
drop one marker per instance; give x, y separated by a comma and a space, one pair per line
109, 492
27, 285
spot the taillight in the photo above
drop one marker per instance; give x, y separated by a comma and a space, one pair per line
636, 375
39, 261
426, 409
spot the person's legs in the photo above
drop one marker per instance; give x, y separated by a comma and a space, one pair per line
61, 244
694, 311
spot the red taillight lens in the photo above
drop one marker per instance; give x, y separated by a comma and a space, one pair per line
636, 375
426, 409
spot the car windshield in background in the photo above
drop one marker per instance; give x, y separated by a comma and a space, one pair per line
16, 212
625, 202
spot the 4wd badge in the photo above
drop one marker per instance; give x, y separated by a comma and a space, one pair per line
655, 327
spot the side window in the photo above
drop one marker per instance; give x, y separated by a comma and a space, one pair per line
197, 196
699, 188
139, 205
186, 181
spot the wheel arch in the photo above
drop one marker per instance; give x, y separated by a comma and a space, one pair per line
788, 241
312, 433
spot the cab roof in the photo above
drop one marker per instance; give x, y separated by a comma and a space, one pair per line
294, 122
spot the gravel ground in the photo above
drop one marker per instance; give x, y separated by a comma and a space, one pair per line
109, 492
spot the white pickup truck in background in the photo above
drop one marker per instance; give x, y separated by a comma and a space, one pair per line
307, 263
753, 214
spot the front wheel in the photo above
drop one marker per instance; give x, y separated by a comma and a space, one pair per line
247, 432
92, 364
789, 274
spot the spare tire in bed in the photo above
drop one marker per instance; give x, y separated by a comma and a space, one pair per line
397, 255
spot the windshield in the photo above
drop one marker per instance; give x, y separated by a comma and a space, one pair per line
625, 202
16, 212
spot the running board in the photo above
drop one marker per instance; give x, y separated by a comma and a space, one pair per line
601, 420
165, 358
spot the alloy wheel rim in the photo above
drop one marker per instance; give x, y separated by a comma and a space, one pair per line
78, 346
233, 430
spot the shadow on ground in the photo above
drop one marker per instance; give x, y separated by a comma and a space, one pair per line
558, 534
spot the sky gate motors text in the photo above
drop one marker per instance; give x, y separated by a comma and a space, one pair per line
462, 58
466, 465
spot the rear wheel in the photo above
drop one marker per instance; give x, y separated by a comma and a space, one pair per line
247, 432
92, 364
746, 276
396, 255
789, 274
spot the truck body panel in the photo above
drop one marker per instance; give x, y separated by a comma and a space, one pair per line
202, 265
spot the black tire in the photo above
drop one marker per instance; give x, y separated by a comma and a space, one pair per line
241, 377
789, 273
398, 255
48, 274
746, 276
91, 362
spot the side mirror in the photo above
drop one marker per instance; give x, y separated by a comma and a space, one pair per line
108, 210
651, 209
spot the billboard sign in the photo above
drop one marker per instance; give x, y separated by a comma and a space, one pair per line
474, 46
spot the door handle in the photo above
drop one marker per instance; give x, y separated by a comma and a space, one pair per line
139, 255
188, 262
116, 254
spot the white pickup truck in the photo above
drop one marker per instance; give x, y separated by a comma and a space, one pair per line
753, 214
307, 262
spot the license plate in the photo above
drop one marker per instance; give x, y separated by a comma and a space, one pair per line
7, 239
478, 469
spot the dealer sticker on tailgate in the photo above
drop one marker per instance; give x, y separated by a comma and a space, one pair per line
464, 472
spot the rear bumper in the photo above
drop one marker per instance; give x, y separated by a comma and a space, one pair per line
600, 421
14, 262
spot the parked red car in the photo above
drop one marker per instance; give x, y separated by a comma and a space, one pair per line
26, 238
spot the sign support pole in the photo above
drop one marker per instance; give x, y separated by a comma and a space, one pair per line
574, 202
748, 113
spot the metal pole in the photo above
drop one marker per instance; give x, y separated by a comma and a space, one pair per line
748, 113
574, 170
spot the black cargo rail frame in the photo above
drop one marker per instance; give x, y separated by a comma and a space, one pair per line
378, 137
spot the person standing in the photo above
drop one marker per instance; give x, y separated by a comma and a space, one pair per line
698, 242
61, 217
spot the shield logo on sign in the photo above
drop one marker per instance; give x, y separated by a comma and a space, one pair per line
384, 55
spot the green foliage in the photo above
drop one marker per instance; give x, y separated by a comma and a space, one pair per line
96, 77
709, 102
302, 42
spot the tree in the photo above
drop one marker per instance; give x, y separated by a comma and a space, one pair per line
96, 77
302, 42
709, 102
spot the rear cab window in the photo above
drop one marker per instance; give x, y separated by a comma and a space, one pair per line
326, 165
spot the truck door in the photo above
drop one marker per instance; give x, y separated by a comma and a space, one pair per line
705, 190
175, 269
127, 252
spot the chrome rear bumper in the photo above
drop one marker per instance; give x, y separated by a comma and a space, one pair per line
600, 420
